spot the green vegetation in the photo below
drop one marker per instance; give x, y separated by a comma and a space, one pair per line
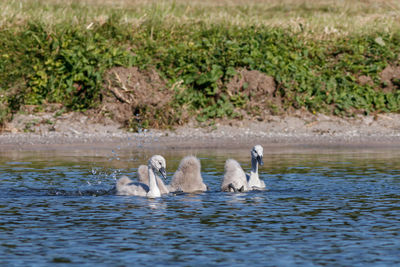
56, 52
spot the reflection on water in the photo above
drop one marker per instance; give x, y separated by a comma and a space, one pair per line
335, 208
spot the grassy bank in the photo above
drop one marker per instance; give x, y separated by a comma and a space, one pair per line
325, 56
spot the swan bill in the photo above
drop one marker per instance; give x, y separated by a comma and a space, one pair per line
260, 160
163, 173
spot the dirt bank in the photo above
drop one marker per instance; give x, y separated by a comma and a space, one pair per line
47, 131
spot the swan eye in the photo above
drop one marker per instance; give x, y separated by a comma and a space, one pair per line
257, 153
160, 164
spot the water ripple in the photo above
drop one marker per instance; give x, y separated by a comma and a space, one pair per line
339, 211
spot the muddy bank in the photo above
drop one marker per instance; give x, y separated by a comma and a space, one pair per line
75, 130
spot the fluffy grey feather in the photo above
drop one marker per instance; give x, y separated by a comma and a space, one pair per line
234, 178
188, 177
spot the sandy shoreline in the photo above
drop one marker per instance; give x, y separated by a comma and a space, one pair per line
317, 131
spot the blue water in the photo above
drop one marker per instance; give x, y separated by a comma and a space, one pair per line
337, 208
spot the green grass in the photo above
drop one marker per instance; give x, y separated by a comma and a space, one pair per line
57, 51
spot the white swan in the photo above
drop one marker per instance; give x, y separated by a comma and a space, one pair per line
143, 177
236, 180
186, 179
126, 187
253, 179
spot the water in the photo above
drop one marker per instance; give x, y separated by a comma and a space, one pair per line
322, 208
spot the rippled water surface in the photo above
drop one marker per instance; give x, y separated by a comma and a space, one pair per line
322, 208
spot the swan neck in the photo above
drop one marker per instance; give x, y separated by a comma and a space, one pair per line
153, 188
254, 180
254, 165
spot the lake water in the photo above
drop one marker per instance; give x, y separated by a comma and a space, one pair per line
327, 207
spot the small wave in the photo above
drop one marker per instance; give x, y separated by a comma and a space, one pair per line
86, 192
29, 191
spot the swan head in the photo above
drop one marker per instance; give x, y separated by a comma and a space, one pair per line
157, 163
257, 153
